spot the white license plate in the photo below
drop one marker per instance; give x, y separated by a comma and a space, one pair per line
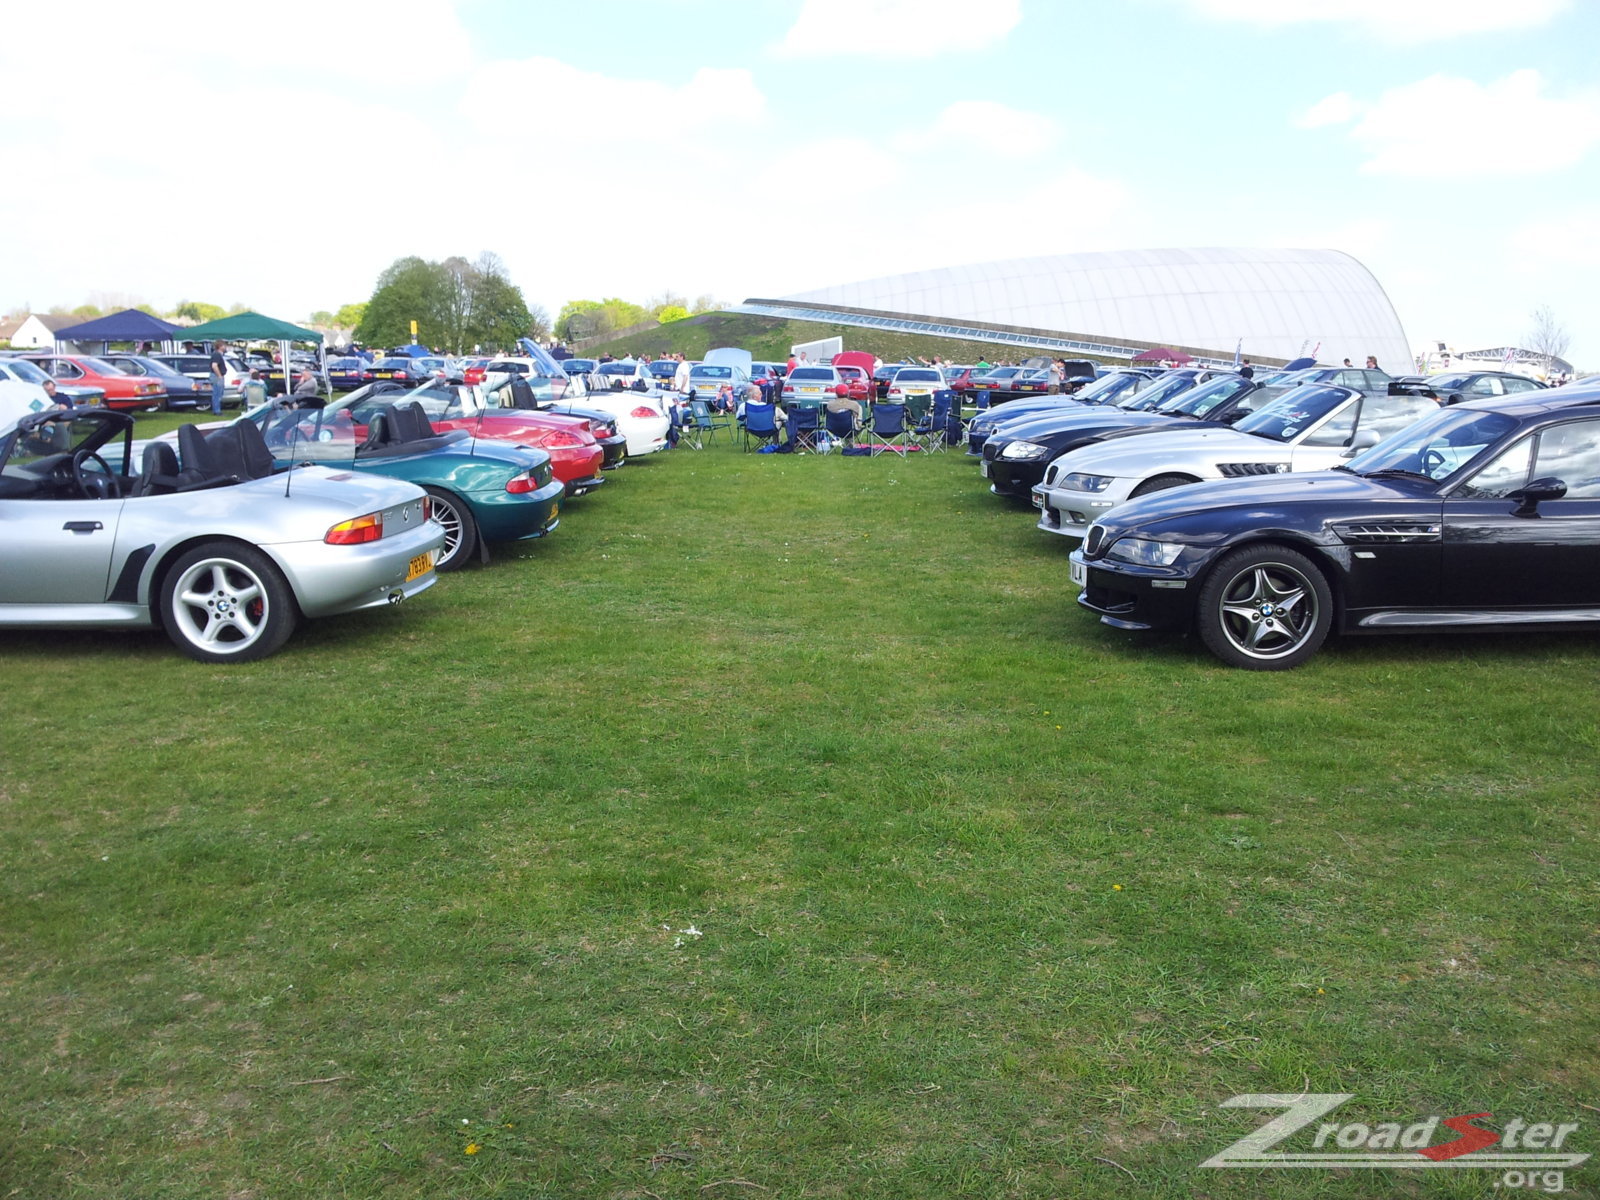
1078, 573
983, 468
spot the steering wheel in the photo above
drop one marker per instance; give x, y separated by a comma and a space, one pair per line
95, 485
1431, 461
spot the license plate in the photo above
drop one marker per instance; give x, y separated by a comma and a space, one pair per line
1078, 573
420, 565
805, 391
983, 468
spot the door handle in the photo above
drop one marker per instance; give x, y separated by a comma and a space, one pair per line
82, 526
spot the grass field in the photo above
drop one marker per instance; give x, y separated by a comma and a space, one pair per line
779, 827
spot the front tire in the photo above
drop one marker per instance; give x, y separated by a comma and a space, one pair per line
460, 530
1265, 608
227, 603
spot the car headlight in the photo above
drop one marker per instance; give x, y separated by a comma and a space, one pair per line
1079, 482
1144, 553
1024, 450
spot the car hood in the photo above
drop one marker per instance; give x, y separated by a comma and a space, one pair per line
1082, 419
1335, 494
1132, 456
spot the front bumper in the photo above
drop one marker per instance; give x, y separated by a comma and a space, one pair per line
1133, 597
1014, 477
1072, 512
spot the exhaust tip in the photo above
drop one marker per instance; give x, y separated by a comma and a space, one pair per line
396, 596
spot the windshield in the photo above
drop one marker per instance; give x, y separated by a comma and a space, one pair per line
101, 367
579, 366
1436, 446
711, 372
301, 435
23, 369
1294, 412
625, 367
917, 375
1108, 387
1156, 393
1208, 396
392, 364
810, 375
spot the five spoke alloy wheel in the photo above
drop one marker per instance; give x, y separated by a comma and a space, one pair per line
223, 602
1265, 608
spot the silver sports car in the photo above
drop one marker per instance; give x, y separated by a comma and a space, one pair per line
225, 554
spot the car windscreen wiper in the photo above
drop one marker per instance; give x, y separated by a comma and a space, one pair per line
1388, 472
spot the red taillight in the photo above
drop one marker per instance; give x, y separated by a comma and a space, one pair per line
560, 439
352, 533
788, 389
644, 413
517, 485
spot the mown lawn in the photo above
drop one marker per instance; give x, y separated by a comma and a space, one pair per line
779, 827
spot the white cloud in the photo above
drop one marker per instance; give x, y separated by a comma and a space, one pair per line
899, 28
986, 125
1570, 241
1330, 110
503, 95
1391, 20
1411, 130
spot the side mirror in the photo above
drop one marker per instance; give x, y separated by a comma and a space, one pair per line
1363, 439
1528, 498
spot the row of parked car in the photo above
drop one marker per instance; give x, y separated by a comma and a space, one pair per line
225, 534
1267, 513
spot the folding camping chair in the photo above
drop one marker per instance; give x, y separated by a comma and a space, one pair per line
803, 429
761, 424
942, 427
701, 427
840, 425
888, 430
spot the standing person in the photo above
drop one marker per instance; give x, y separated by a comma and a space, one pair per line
680, 377
219, 375
793, 361
1247, 370
1347, 362
1372, 363
1057, 374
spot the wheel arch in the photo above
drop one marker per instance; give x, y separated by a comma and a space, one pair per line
1331, 573
169, 557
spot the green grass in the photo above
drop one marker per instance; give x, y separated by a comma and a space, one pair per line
993, 900
768, 339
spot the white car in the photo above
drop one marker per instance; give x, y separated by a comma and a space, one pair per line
915, 382
1308, 428
811, 385
623, 373
708, 381
641, 416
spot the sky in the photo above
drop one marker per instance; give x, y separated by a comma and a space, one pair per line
282, 157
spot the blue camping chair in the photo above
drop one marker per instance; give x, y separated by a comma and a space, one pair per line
702, 426
841, 425
888, 430
760, 423
942, 426
803, 429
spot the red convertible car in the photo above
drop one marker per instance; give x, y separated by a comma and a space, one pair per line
136, 392
575, 454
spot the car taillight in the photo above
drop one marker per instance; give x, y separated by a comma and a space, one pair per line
788, 389
523, 483
352, 533
427, 508
560, 439
645, 413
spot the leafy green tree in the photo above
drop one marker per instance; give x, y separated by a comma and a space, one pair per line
198, 311
321, 317
87, 312
577, 319
672, 312
408, 290
349, 315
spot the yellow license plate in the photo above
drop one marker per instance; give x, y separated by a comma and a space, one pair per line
420, 565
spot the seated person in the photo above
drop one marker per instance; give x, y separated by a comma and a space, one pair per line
752, 395
846, 404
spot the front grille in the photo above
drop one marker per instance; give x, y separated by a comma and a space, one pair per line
1095, 542
1050, 474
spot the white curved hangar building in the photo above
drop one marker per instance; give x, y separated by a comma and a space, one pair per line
1280, 304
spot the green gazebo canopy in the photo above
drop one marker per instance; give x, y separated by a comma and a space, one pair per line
247, 327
